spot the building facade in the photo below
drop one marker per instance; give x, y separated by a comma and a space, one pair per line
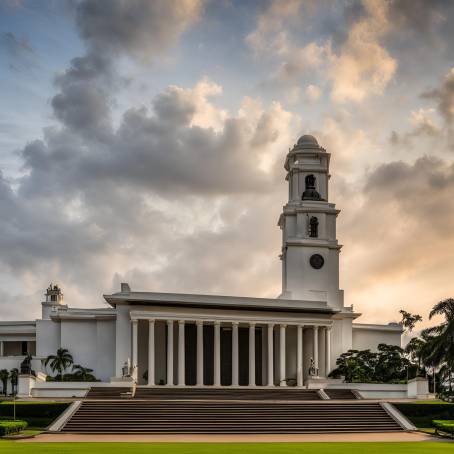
173, 339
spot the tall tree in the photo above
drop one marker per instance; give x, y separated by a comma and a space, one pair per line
415, 349
59, 362
441, 344
409, 320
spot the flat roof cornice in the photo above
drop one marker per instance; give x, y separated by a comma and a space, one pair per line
187, 299
373, 327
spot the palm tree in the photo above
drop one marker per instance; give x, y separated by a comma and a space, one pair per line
59, 362
14, 377
83, 373
441, 343
4, 375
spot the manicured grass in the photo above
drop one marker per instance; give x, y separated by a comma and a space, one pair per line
10, 447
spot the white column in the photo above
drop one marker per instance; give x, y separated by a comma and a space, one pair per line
135, 366
270, 355
181, 371
217, 353
170, 352
327, 350
282, 374
299, 355
199, 353
316, 349
151, 367
2, 350
252, 354
234, 353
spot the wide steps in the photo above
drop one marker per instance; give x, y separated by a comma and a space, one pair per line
108, 392
340, 394
141, 416
225, 394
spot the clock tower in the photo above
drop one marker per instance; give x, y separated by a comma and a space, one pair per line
310, 251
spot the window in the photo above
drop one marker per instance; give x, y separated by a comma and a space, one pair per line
313, 227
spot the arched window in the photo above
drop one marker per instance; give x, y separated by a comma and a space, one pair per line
310, 182
310, 193
313, 227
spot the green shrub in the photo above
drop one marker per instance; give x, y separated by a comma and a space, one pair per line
422, 415
11, 427
445, 426
36, 414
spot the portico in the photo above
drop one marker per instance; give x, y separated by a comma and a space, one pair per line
226, 351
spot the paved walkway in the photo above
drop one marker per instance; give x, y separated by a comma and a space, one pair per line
250, 438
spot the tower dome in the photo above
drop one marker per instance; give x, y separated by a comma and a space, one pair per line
308, 141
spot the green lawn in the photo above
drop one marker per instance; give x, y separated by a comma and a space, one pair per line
11, 447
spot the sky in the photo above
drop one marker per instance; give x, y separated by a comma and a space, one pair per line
144, 142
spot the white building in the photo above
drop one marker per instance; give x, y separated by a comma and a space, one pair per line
184, 339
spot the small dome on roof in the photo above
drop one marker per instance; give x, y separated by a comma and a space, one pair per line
308, 140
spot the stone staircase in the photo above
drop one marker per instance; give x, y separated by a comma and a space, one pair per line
145, 416
226, 394
108, 392
340, 394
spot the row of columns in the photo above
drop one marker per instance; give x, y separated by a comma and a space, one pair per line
235, 359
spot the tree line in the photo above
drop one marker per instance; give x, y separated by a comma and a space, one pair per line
429, 354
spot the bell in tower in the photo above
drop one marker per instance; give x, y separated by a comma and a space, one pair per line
310, 193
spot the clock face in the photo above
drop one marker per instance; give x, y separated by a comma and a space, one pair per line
316, 261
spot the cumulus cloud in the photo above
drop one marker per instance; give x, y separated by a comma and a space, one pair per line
401, 209
269, 35
364, 67
137, 28
358, 67
423, 125
433, 122
444, 96
181, 181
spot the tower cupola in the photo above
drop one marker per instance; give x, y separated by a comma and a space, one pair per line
54, 298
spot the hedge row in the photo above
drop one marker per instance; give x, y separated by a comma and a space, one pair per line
36, 414
33, 409
444, 426
11, 427
422, 415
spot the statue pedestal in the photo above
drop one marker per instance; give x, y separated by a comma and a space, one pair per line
25, 384
122, 381
321, 382
418, 388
